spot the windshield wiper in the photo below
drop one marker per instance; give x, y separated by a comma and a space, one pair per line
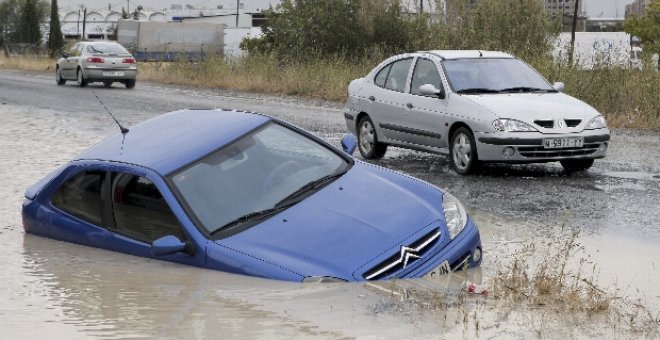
526, 89
252, 217
313, 185
477, 90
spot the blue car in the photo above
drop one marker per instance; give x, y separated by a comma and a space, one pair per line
249, 194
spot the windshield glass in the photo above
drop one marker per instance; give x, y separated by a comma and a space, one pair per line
490, 75
255, 174
106, 48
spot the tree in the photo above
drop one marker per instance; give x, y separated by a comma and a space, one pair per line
647, 28
55, 39
29, 30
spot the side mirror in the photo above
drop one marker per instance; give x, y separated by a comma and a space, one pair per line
167, 245
559, 86
63, 54
349, 143
431, 91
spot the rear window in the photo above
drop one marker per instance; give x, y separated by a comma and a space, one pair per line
105, 48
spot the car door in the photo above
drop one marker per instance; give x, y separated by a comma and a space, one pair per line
69, 64
143, 210
388, 99
425, 117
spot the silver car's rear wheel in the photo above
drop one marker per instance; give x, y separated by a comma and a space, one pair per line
463, 152
82, 82
58, 77
368, 143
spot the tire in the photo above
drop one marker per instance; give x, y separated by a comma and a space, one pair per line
82, 82
58, 77
107, 83
575, 165
130, 83
368, 143
463, 155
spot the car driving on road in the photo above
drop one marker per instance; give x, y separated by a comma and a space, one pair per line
97, 61
250, 194
475, 107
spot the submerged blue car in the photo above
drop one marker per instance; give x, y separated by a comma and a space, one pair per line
247, 193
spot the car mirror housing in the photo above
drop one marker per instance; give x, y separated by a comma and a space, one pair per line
349, 143
430, 90
167, 245
559, 86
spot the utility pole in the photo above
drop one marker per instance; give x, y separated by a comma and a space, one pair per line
575, 14
238, 5
84, 22
421, 6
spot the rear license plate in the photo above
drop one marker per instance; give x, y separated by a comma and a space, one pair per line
442, 269
559, 143
113, 74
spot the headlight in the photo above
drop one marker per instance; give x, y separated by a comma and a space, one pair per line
321, 279
512, 125
597, 122
455, 215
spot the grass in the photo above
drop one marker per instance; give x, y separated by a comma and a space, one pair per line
628, 98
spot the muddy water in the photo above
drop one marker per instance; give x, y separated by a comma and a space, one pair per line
64, 291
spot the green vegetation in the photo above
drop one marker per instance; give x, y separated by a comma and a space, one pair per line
20, 21
647, 28
55, 38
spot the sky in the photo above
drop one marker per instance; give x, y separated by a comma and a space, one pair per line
594, 8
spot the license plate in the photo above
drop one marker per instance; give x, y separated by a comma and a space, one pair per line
559, 143
442, 269
113, 74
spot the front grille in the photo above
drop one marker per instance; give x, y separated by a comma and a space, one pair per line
540, 152
571, 123
547, 124
406, 256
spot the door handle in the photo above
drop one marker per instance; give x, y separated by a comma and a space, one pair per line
372, 98
409, 105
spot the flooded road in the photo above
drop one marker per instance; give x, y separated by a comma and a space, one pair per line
64, 291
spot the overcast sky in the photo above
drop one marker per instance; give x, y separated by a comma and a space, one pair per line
594, 8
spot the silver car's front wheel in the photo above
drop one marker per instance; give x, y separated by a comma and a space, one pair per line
368, 143
463, 152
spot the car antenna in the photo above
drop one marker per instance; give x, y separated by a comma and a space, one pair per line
121, 128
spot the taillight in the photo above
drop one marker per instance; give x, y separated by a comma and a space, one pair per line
95, 60
128, 61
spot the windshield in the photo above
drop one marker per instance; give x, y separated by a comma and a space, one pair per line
490, 75
271, 168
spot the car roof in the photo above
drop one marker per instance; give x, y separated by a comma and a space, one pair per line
461, 54
169, 141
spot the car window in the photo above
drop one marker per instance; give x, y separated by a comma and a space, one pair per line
140, 211
398, 75
74, 51
105, 48
492, 73
80, 196
425, 73
381, 77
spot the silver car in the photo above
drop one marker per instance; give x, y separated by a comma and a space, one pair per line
97, 61
475, 107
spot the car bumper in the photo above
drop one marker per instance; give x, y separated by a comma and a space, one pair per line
98, 74
523, 147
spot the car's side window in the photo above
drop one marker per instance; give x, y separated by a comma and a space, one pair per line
140, 211
74, 51
425, 72
396, 80
381, 77
80, 196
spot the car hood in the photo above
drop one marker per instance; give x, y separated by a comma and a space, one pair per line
335, 232
528, 107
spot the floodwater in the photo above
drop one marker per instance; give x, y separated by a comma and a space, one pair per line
51, 289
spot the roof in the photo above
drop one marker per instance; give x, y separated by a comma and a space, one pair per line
172, 140
460, 54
